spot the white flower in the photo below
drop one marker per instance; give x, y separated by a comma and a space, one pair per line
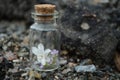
42, 55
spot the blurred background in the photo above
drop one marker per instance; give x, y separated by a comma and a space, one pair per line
20, 10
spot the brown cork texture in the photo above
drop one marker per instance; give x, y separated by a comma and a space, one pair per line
45, 9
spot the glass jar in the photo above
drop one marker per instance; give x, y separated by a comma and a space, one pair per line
44, 42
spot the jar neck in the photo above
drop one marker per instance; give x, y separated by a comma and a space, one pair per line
45, 21
45, 18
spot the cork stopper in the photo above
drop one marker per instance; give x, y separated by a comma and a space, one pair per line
45, 11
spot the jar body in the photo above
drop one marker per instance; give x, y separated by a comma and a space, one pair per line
44, 46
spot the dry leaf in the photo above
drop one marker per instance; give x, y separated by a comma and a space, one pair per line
117, 60
10, 56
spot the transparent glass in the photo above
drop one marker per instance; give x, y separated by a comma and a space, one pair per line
44, 43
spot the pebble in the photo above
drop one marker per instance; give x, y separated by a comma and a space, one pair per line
99, 73
65, 71
56, 77
59, 74
24, 74
22, 54
86, 62
64, 52
71, 64
85, 26
14, 70
16, 61
71, 60
63, 61
2, 35
25, 41
5, 47
85, 68
43, 74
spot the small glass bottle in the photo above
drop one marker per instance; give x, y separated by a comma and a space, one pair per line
44, 39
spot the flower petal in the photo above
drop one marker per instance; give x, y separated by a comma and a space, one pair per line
40, 57
54, 51
41, 48
35, 50
48, 60
43, 61
47, 51
39, 60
